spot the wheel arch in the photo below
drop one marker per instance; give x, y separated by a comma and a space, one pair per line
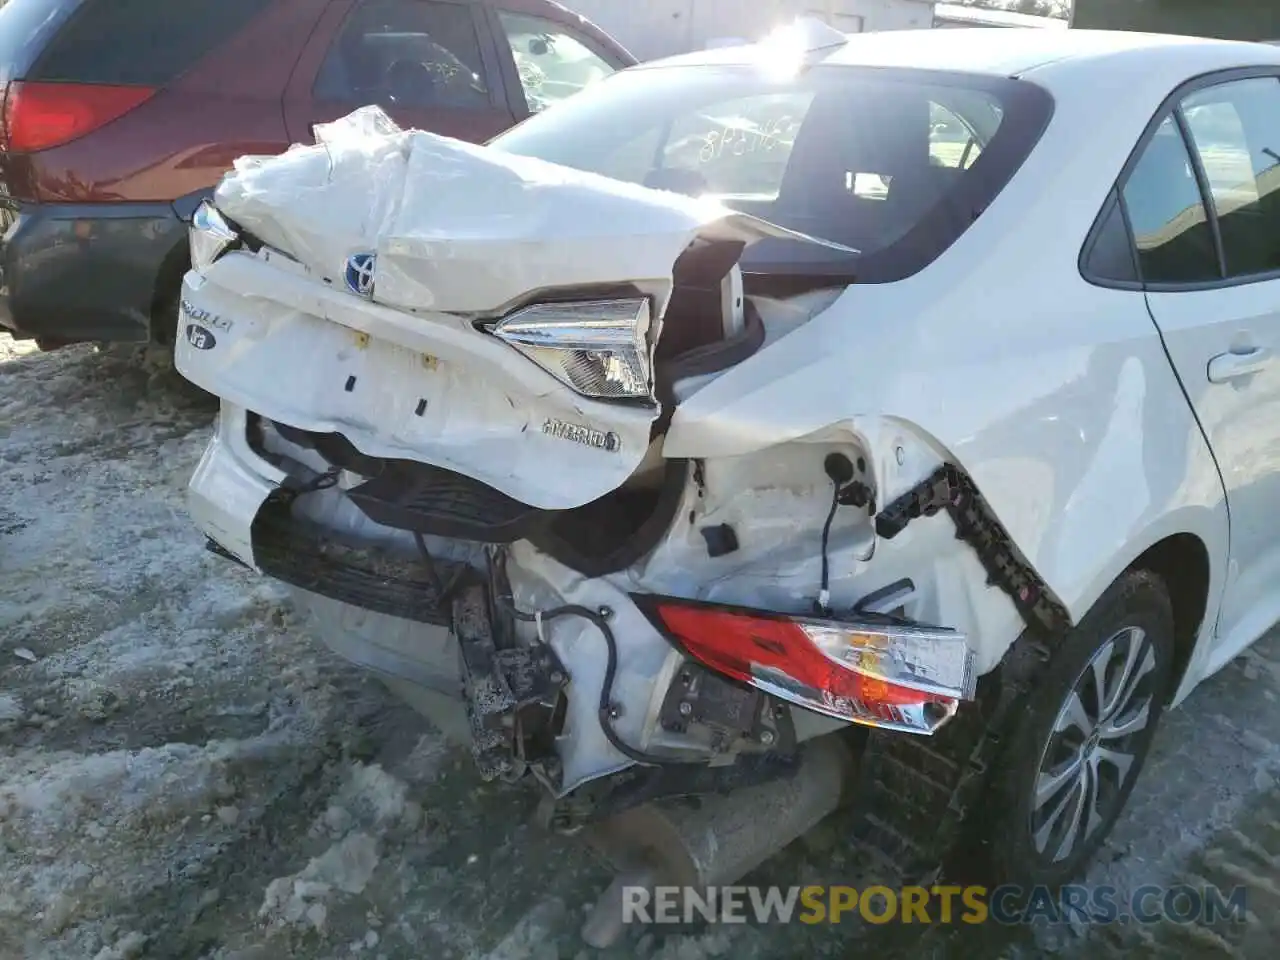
173, 268
164, 295
1182, 562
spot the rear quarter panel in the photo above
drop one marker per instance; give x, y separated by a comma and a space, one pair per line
1056, 396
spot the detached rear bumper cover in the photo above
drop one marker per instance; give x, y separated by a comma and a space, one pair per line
233, 498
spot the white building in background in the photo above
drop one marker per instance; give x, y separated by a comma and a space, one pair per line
951, 15
660, 28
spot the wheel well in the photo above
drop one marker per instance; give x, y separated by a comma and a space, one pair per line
168, 286
1182, 562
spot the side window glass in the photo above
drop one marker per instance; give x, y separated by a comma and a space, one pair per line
552, 62
1170, 226
407, 53
1111, 255
1236, 131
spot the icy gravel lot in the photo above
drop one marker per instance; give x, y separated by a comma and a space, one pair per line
183, 774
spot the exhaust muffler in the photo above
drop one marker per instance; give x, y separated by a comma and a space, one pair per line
717, 842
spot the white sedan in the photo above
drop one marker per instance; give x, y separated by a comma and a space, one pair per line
918, 385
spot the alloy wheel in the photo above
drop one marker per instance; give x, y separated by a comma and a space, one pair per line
1092, 747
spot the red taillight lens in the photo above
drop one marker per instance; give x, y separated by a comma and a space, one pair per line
38, 116
741, 646
835, 667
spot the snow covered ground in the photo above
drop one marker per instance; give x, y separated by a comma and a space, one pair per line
184, 774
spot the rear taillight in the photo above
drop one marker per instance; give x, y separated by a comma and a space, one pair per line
210, 236
896, 675
38, 116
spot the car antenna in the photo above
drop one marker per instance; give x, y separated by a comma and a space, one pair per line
816, 35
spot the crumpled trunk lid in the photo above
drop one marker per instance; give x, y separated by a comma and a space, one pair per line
460, 228
400, 246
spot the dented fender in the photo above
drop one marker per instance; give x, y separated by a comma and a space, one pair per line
1083, 446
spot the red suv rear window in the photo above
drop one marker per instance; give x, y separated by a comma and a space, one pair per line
25, 29
138, 42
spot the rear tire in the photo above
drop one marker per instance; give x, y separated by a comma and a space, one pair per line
1084, 733
158, 354
164, 333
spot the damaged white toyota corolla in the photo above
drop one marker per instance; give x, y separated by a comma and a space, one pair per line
748, 400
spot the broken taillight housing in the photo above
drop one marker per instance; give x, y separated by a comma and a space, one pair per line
599, 348
874, 671
210, 236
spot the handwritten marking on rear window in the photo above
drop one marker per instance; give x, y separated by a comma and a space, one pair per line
740, 141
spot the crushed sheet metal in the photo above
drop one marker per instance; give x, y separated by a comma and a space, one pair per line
373, 204
439, 224
478, 409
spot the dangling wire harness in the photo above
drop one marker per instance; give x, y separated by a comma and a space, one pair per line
608, 711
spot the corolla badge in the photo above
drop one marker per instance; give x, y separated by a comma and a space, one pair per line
360, 274
200, 338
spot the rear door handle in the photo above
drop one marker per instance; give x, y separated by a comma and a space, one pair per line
1232, 366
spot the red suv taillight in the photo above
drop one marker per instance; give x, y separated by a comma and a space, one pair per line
38, 116
880, 672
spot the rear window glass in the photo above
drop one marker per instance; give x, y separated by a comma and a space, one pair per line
877, 160
144, 42
25, 27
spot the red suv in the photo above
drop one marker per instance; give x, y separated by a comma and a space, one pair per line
119, 116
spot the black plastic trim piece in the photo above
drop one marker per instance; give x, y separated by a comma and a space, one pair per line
218, 550
903, 588
289, 550
700, 361
721, 539
388, 498
636, 546
442, 503
949, 488
1207, 199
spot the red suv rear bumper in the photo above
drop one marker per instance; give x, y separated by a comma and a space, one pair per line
72, 272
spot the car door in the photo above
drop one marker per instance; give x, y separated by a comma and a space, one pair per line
431, 64
1204, 202
544, 58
